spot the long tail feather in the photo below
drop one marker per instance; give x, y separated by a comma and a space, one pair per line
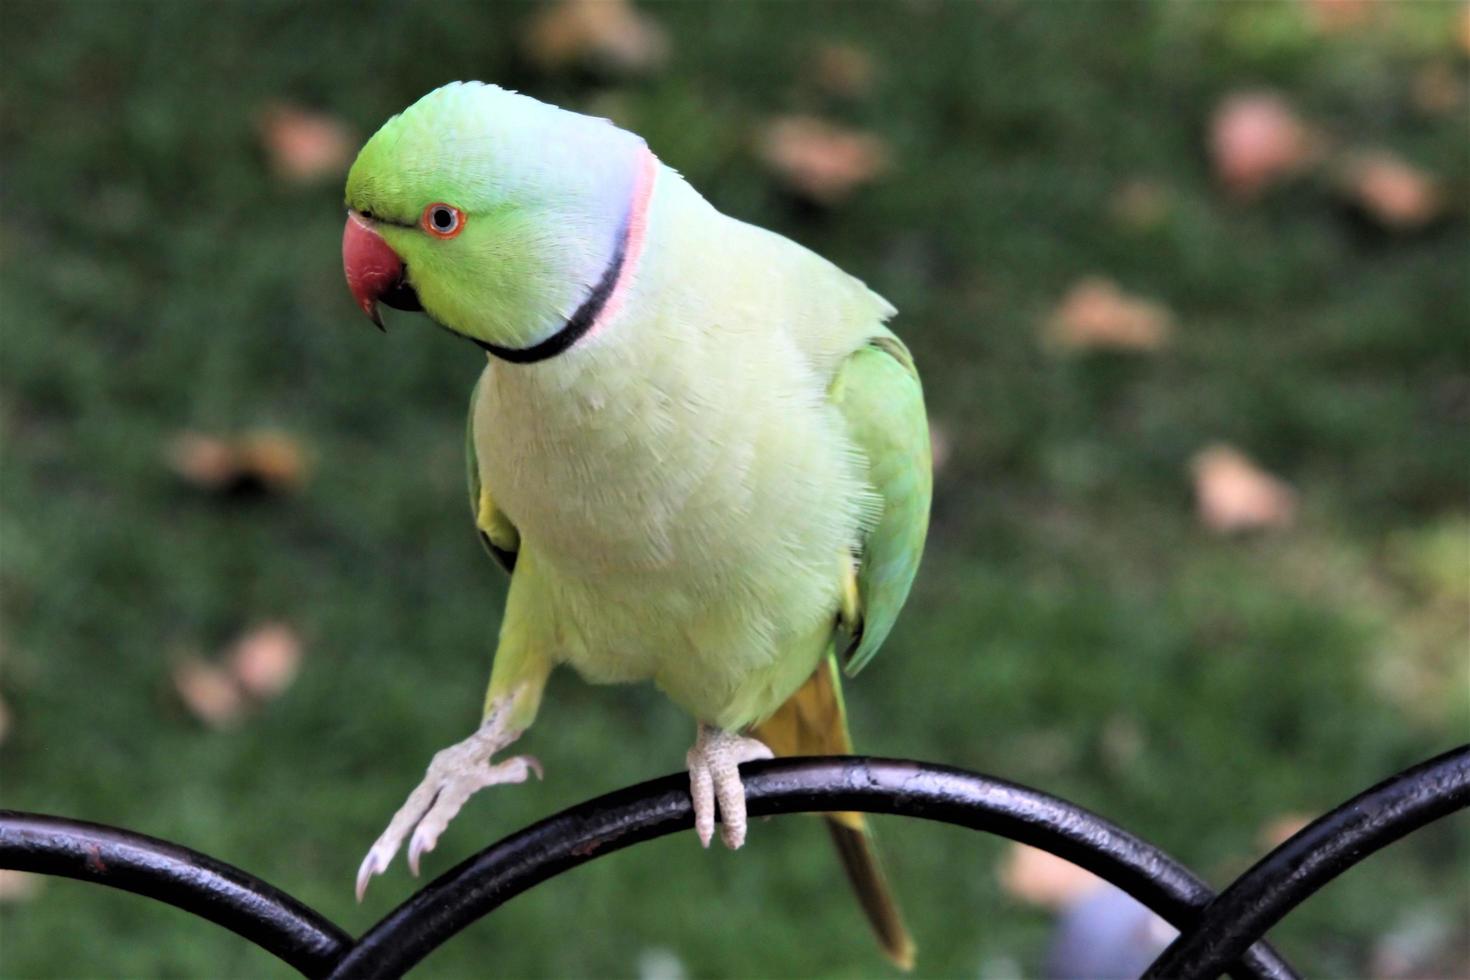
860, 861
813, 722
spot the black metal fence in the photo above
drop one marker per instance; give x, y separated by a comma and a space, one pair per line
1218, 933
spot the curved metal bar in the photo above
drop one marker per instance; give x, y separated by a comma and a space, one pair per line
638, 813
1321, 851
241, 903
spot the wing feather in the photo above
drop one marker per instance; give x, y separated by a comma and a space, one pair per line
878, 393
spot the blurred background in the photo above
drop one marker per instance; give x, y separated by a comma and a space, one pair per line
1188, 288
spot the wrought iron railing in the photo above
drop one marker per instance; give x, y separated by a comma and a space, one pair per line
1217, 933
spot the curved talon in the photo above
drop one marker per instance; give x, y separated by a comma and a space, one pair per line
455, 774
371, 865
714, 775
420, 844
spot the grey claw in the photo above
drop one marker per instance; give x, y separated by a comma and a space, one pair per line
420, 845
371, 865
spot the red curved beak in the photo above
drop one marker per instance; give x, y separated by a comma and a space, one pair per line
372, 268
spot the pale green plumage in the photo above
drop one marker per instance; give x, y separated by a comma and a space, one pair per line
679, 492
685, 482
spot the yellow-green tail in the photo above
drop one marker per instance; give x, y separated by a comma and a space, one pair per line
812, 722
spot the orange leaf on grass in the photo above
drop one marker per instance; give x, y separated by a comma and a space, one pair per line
257, 667
264, 661
1233, 494
1256, 139
305, 147
1335, 16
209, 693
262, 458
273, 457
203, 460
1041, 878
1395, 194
1281, 828
821, 160
19, 886
605, 35
1096, 315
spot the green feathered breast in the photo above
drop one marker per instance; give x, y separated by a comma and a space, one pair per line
680, 491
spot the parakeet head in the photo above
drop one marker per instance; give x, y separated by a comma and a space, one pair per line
505, 219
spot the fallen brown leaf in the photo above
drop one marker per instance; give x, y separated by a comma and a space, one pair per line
1395, 194
1234, 494
4, 721
205, 461
1256, 140
1095, 314
305, 147
274, 458
821, 160
264, 458
209, 693
605, 35
1335, 16
1041, 878
265, 660
842, 69
1462, 28
19, 886
1279, 829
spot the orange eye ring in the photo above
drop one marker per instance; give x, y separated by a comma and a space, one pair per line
443, 220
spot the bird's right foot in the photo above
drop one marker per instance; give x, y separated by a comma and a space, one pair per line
454, 775
714, 776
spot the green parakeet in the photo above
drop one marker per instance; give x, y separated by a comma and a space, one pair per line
695, 446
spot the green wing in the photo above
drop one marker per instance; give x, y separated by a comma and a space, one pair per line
877, 391
497, 533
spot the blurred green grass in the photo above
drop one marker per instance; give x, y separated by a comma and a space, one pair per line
1073, 627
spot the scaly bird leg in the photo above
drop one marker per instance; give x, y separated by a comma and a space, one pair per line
713, 774
454, 775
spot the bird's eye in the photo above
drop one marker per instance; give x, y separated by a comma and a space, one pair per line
443, 220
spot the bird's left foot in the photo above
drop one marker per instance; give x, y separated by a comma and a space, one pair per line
714, 774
